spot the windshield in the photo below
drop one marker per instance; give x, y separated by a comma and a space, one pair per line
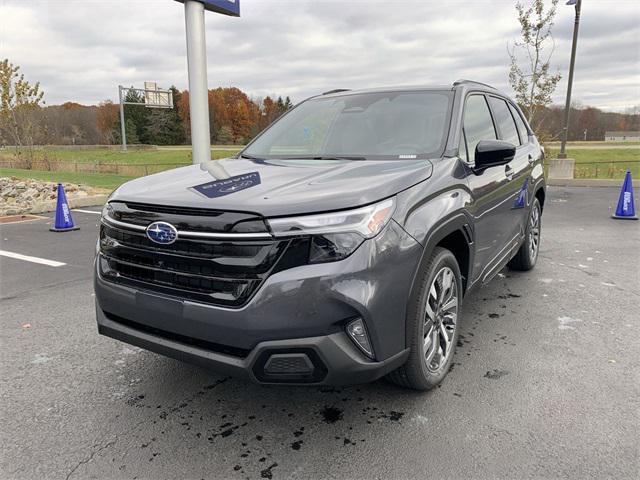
358, 126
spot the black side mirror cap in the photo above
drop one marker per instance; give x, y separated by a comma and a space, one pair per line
492, 153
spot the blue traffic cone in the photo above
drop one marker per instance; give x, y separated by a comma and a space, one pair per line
626, 209
64, 220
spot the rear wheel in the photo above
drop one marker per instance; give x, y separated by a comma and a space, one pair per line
527, 255
432, 324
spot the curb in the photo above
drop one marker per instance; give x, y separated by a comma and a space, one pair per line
79, 202
583, 182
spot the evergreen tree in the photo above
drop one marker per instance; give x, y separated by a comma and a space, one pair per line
178, 135
131, 132
138, 115
163, 127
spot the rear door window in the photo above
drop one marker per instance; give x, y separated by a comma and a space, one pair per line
522, 128
504, 121
478, 124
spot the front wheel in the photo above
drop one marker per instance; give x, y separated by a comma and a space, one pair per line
432, 324
527, 255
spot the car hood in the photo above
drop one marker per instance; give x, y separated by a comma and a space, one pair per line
276, 187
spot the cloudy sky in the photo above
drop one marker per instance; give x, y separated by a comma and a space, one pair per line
80, 50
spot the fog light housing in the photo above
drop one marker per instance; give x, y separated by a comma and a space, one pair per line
358, 333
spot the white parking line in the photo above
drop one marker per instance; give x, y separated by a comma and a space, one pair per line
85, 211
27, 258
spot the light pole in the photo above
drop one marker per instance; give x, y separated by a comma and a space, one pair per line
567, 106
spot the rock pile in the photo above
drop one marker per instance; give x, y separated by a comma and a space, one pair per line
18, 195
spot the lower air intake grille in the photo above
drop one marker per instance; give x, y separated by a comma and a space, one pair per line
288, 363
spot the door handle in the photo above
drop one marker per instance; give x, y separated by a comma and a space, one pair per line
508, 171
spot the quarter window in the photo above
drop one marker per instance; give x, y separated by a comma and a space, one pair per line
477, 123
504, 121
522, 128
462, 148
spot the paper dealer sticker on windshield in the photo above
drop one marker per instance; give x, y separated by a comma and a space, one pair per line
220, 188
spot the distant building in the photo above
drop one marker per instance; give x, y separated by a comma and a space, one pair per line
622, 136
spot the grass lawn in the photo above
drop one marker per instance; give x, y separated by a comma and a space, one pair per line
130, 164
109, 168
592, 143
98, 180
182, 156
151, 156
584, 155
602, 163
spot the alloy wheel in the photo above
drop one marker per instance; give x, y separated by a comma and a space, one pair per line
440, 319
534, 233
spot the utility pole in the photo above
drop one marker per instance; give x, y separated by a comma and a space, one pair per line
567, 106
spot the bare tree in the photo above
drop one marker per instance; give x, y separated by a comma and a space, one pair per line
529, 74
107, 122
19, 108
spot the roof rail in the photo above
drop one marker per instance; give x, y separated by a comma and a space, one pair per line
337, 90
463, 80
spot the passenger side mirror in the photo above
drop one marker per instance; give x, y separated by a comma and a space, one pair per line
492, 153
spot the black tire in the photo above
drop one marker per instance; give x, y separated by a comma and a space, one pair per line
415, 373
527, 255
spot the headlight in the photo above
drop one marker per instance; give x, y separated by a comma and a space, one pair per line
106, 210
333, 247
366, 221
336, 235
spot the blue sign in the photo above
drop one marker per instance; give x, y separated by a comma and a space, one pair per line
220, 188
226, 7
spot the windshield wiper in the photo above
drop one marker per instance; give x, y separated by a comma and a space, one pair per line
328, 157
250, 157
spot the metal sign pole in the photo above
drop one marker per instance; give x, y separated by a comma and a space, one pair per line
198, 89
123, 132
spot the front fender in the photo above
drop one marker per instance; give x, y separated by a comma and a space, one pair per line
432, 210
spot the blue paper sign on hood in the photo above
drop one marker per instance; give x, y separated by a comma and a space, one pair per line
220, 188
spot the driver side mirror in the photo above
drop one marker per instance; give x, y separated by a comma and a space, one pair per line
492, 153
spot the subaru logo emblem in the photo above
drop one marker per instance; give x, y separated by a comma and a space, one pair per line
162, 232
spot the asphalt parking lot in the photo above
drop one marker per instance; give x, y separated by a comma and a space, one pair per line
545, 384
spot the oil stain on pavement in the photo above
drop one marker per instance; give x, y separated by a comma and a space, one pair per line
252, 431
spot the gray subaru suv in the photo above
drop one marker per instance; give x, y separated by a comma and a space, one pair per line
337, 247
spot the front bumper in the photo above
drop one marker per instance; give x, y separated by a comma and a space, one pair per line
341, 363
298, 315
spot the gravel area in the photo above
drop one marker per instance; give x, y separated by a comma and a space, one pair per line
18, 195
